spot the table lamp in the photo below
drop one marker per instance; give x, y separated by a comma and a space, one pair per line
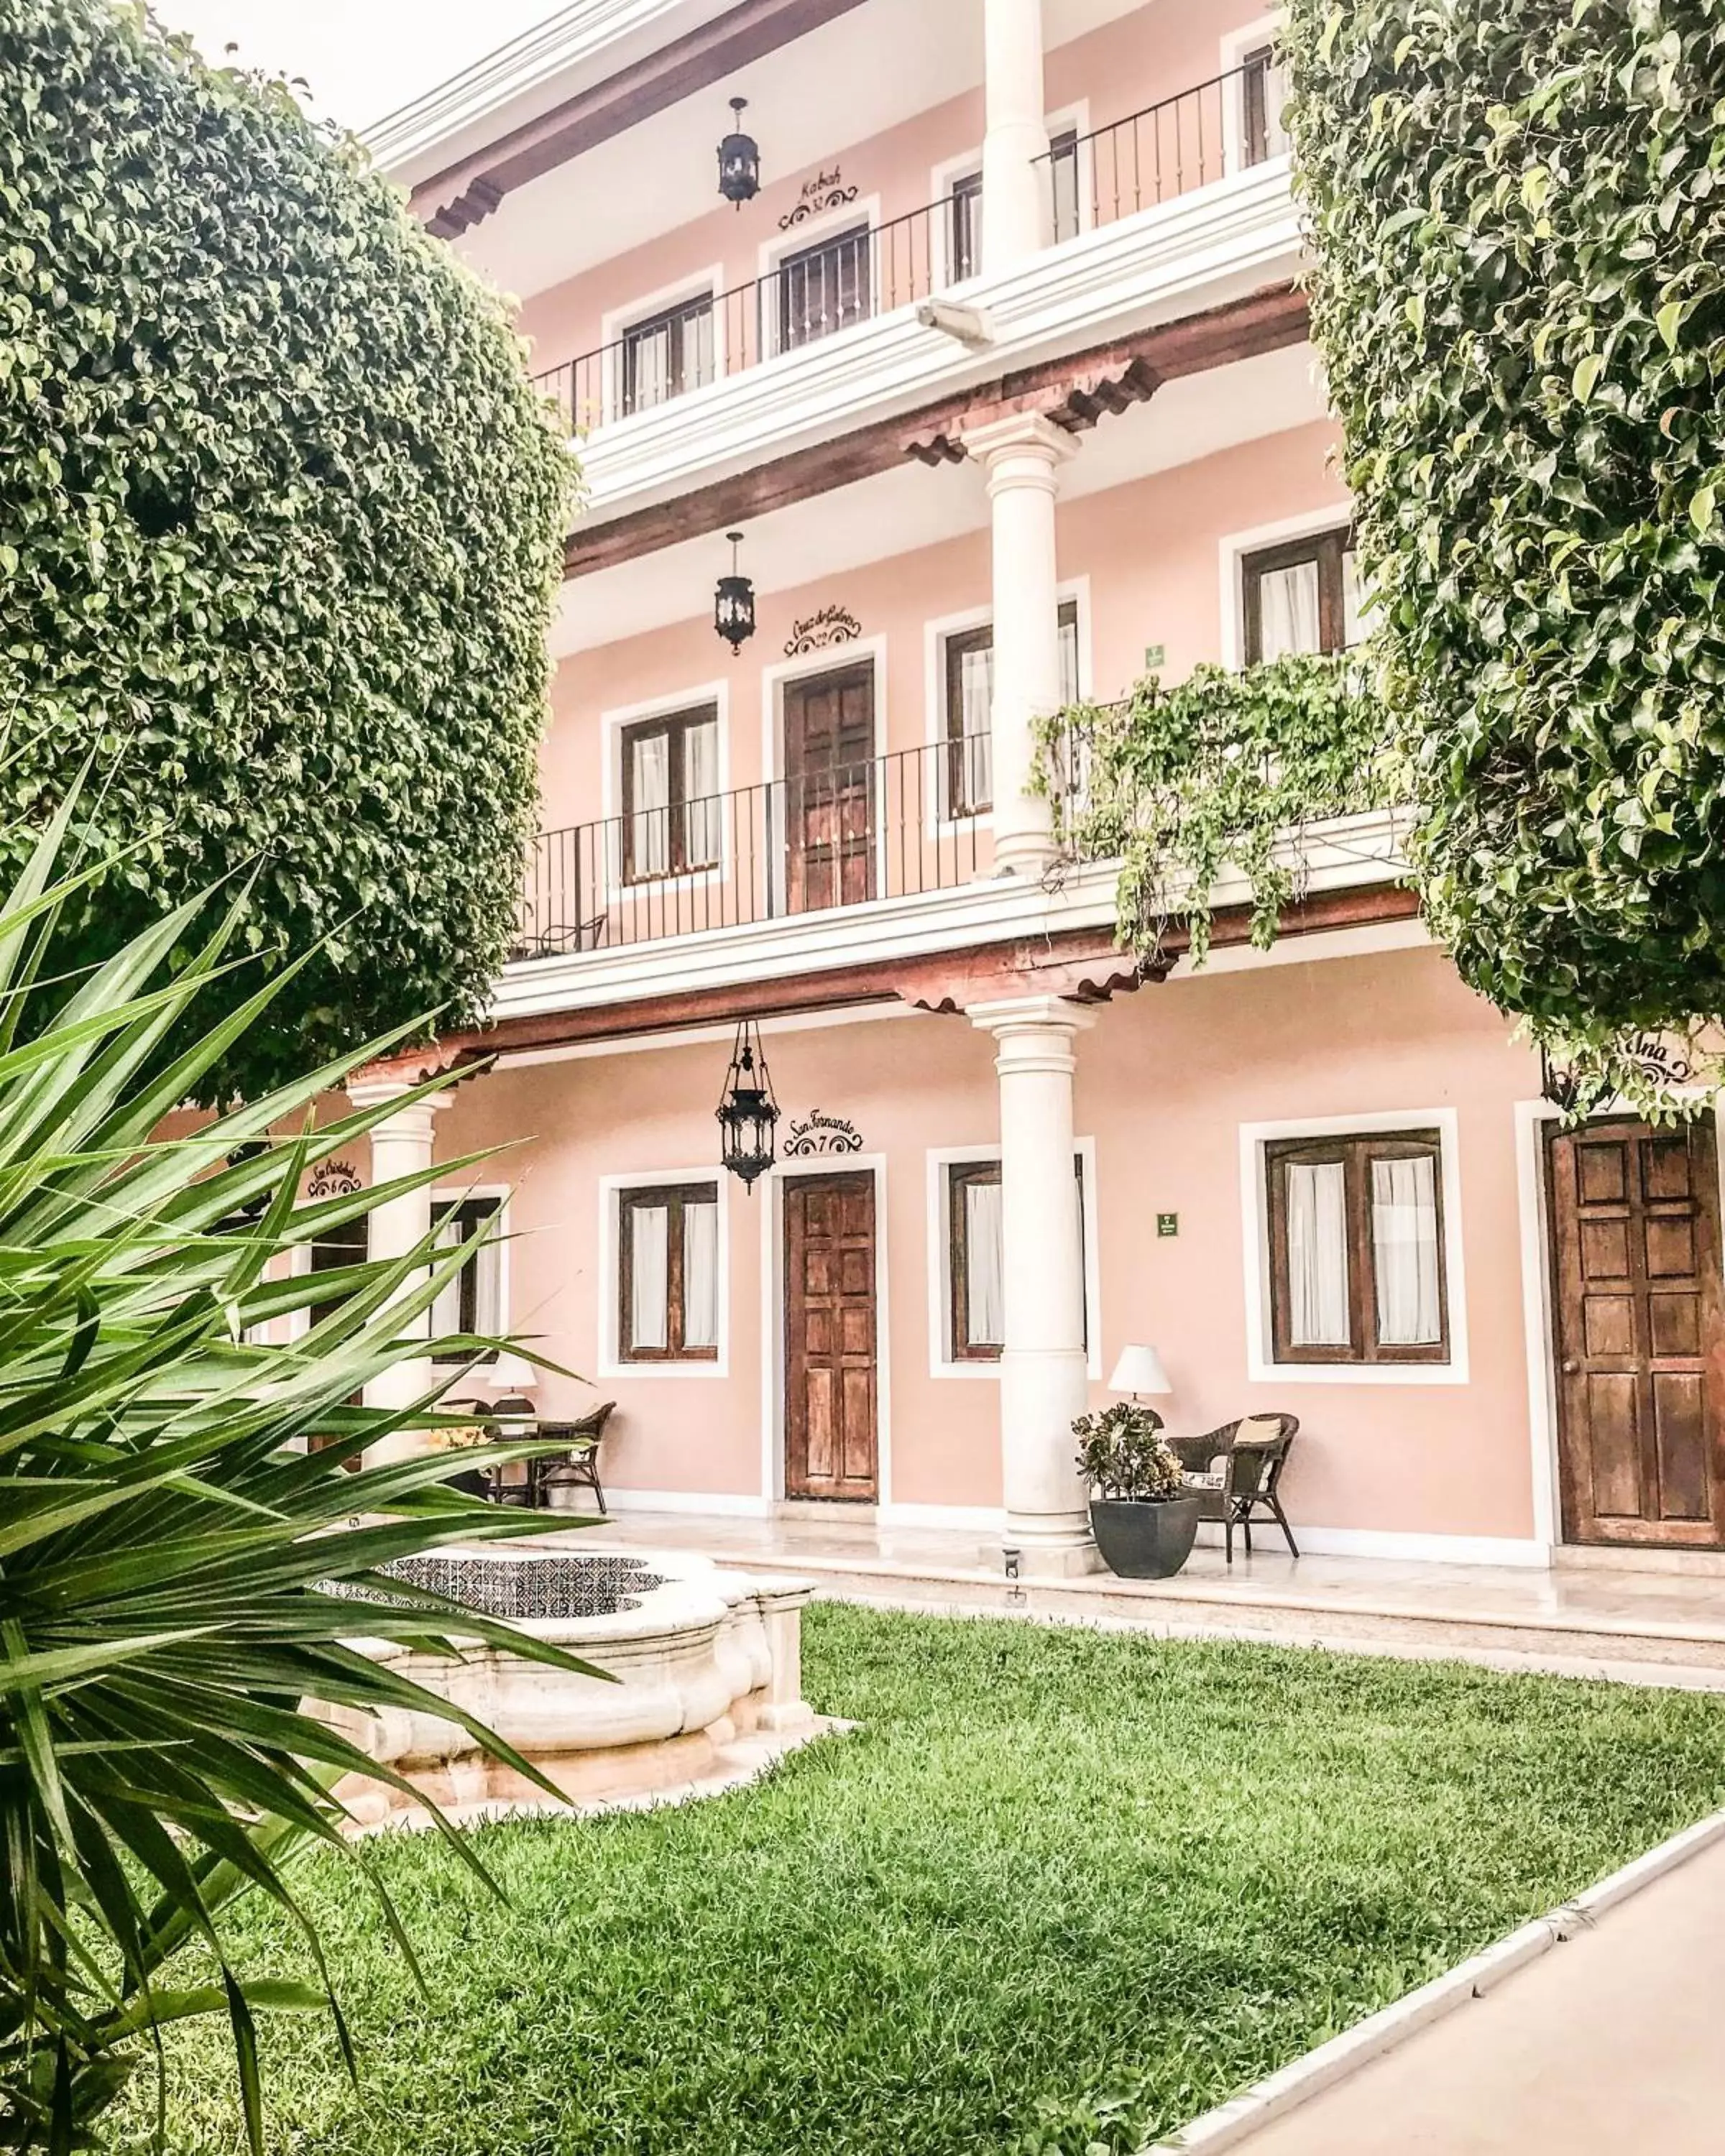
1139, 1370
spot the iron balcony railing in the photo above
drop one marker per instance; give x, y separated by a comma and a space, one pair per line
1169, 148
850, 276
889, 827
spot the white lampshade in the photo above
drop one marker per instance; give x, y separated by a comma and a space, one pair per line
1139, 1370
508, 1375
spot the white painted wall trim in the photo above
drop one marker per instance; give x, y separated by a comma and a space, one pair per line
1235, 45
612, 1366
942, 1362
1233, 547
772, 1189
1344, 852
1529, 1552
1254, 1221
810, 666
716, 1504
1200, 250
499, 1244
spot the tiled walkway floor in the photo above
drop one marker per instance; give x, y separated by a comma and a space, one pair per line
1588, 1616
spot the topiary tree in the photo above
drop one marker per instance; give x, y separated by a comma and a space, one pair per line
1517, 215
280, 527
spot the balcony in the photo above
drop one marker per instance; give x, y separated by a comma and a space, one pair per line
1169, 150
892, 827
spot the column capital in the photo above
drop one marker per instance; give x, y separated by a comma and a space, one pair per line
1010, 1015
1032, 436
415, 1120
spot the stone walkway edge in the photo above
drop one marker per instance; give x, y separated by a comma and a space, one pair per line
1293, 2085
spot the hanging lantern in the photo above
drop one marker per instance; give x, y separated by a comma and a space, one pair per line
734, 603
739, 161
748, 1114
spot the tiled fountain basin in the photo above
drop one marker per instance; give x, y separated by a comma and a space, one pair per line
707, 1683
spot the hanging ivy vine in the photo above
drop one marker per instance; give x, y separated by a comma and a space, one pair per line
1225, 770
1517, 216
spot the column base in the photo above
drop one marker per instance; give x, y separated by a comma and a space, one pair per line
1045, 1553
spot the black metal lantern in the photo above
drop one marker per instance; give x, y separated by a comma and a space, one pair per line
739, 161
748, 1114
734, 603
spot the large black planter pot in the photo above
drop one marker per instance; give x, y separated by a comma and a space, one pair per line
1145, 1542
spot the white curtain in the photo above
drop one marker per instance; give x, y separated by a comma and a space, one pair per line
1354, 599
650, 368
984, 1298
1287, 610
487, 1265
1404, 1251
700, 1276
446, 1311
1275, 98
972, 720
701, 786
649, 784
1317, 1253
650, 1275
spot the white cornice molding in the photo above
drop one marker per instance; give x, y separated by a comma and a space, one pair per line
541, 59
1218, 244
1343, 852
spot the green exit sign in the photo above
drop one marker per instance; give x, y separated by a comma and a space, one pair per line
1155, 656
1168, 1223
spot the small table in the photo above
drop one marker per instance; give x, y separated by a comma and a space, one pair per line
578, 1465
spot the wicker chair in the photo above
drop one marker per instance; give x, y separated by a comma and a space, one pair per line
1248, 1476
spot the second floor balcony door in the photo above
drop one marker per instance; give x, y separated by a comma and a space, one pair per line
825, 287
830, 790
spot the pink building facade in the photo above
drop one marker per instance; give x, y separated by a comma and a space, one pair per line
1001, 374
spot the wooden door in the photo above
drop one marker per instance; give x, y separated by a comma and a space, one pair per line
829, 789
830, 1378
1639, 1343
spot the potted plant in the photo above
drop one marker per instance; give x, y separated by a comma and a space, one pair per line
1143, 1517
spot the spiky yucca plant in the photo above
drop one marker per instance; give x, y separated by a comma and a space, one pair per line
177, 1505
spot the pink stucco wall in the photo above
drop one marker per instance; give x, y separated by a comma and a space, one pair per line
1154, 52
1149, 551
1165, 1081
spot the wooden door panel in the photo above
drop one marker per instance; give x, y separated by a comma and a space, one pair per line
831, 1382
1640, 1333
829, 786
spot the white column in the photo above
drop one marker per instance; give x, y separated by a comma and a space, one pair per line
1043, 1381
402, 1144
1023, 455
1017, 193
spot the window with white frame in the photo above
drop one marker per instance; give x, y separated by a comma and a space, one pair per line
974, 1258
668, 1260
667, 353
1264, 93
472, 1302
1303, 595
964, 202
1357, 1260
672, 813
967, 677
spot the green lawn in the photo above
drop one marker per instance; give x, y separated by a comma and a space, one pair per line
1053, 1866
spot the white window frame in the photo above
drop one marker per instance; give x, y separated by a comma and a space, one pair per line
1266, 30
775, 251
613, 724
941, 1360
935, 634
1234, 546
1261, 1368
616, 323
944, 176
612, 1364
498, 1241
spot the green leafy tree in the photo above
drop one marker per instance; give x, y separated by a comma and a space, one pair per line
280, 528
179, 1507
1517, 216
